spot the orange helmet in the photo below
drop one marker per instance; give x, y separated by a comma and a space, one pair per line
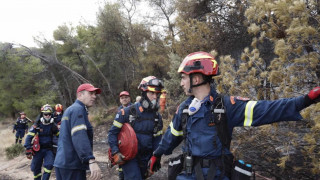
151, 83
58, 107
199, 62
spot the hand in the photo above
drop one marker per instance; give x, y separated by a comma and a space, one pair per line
154, 164
29, 153
118, 158
314, 94
95, 170
13, 131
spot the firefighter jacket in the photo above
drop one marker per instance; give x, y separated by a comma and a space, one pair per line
121, 107
202, 139
57, 118
146, 124
45, 133
21, 124
76, 139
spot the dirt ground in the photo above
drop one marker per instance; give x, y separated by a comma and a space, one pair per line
19, 167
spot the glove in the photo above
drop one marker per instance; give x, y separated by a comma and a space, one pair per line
313, 96
118, 158
154, 164
29, 153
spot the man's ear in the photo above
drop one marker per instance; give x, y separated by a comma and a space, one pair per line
196, 79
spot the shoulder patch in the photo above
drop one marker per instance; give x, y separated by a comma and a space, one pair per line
140, 108
65, 118
242, 98
117, 116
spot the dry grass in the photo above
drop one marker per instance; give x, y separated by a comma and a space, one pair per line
7, 137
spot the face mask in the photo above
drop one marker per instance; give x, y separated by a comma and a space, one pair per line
154, 104
194, 106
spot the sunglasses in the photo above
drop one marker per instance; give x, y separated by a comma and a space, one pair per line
47, 114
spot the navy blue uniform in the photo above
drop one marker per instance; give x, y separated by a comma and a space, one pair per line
45, 155
240, 112
121, 107
57, 119
21, 126
148, 141
75, 143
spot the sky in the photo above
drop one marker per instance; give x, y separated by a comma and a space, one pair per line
21, 20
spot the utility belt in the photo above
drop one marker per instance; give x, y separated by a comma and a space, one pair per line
234, 170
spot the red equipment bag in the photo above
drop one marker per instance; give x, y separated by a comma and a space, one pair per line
127, 142
36, 143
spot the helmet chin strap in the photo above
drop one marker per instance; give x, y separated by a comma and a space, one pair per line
205, 81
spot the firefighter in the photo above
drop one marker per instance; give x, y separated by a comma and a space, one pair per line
125, 100
205, 154
20, 127
45, 130
57, 116
147, 124
75, 151
163, 99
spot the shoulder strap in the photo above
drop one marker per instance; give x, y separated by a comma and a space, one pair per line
184, 119
132, 115
219, 112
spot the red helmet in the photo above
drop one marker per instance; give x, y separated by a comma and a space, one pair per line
199, 62
58, 107
151, 83
124, 93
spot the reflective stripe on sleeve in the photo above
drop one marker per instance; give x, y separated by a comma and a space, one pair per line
175, 132
117, 124
31, 133
78, 128
158, 133
248, 115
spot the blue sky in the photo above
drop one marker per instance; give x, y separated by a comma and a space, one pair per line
21, 20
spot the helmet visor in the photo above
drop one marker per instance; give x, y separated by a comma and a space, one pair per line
155, 82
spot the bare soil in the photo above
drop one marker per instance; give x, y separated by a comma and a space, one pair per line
19, 167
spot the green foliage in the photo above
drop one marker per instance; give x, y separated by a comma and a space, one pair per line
14, 151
